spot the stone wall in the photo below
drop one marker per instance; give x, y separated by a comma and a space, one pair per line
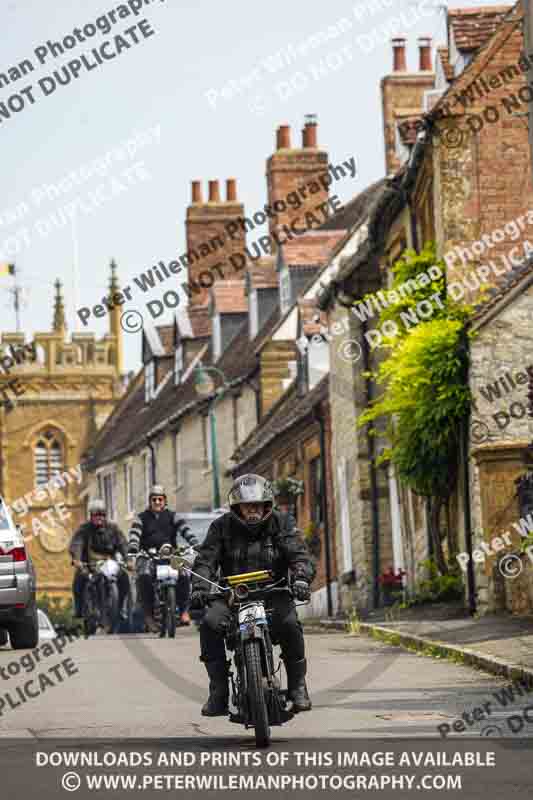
500, 431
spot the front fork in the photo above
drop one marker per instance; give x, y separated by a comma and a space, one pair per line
239, 686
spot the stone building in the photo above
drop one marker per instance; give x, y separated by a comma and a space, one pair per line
464, 181
501, 433
65, 392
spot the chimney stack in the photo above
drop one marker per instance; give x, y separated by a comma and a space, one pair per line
231, 190
196, 191
424, 44
283, 137
309, 132
214, 192
398, 51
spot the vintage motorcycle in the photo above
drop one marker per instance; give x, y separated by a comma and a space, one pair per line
256, 691
166, 564
101, 596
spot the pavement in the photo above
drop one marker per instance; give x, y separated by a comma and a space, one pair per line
501, 644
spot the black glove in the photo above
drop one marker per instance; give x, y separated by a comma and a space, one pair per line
301, 589
198, 599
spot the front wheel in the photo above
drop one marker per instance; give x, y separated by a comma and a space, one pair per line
256, 692
90, 610
171, 611
112, 609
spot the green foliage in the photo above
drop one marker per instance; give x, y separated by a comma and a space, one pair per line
411, 272
526, 542
311, 535
290, 487
437, 588
60, 614
426, 394
354, 623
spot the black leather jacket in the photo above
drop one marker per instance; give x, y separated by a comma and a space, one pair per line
230, 545
104, 541
153, 530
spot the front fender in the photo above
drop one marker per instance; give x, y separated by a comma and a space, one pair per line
252, 631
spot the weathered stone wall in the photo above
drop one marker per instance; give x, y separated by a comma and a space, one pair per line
500, 431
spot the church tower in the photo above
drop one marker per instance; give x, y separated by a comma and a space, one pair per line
56, 393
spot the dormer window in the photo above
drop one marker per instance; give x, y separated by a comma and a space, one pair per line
284, 290
149, 381
178, 364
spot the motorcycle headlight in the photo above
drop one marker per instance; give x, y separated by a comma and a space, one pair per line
241, 591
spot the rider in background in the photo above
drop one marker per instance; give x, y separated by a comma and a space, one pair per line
252, 536
155, 526
94, 540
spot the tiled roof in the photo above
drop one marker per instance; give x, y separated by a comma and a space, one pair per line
133, 419
354, 212
444, 54
287, 412
473, 26
490, 46
497, 293
312, 248
228, 297
125, 430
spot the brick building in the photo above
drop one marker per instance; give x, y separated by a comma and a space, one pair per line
464, 181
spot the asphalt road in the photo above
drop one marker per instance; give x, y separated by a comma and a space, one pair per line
141, 686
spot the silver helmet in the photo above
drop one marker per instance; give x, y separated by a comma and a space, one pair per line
96, 506
251, 489
157, 490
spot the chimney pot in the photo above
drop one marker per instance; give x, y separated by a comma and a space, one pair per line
309, 138
398, 51
283, 137
231, 190
214, 192
196, 191
424, 44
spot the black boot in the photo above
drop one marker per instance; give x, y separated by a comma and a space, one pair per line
296, 686
217, 702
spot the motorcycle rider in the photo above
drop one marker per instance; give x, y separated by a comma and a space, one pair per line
155, 526
92, 541
252, 536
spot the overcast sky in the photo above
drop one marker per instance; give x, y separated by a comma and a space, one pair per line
198, 100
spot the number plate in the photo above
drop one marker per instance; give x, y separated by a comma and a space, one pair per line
252, 613
110, 568
165, 573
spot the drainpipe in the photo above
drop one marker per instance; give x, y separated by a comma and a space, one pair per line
414, 232
318, 415
152, 451
373, 473
471, 581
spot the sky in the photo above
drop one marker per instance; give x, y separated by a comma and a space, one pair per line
100, 167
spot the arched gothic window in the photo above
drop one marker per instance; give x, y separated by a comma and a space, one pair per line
48, 458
